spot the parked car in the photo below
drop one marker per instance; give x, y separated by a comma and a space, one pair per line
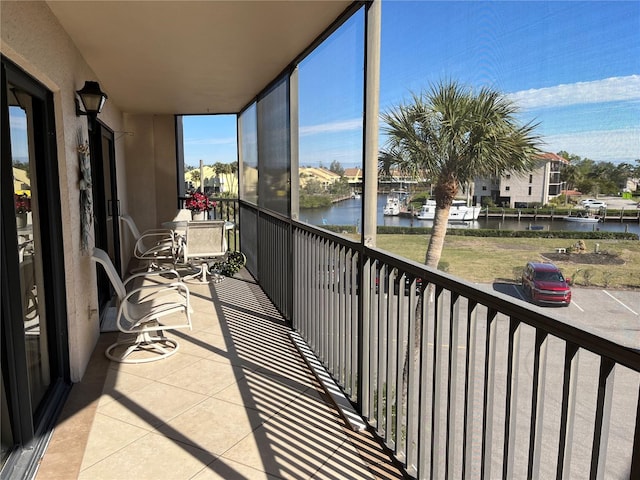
596, 205
544, 283
592, 203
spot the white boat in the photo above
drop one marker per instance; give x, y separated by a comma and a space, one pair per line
396, 200
392, 208
583, 218
459, 211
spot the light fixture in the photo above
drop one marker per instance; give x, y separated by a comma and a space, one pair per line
92, 99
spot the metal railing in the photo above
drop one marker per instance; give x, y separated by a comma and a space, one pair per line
458, 381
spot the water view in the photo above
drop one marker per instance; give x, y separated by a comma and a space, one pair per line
348, 212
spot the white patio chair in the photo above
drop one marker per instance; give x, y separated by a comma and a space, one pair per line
204, 242
140, 310
156, 246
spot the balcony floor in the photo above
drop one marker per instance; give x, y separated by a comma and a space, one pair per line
237, 401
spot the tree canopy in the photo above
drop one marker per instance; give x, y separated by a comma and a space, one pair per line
454, 135
591, 177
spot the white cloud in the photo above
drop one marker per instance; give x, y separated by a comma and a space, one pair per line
604, 145
607, 90
333, 127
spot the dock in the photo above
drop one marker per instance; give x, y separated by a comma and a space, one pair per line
629, 216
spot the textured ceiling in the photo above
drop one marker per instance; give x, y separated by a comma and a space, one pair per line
186, 57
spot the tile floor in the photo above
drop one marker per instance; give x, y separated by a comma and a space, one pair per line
236, 401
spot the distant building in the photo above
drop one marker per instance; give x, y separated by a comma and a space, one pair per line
21, 181
523, 190
631, 185
353, 175
212, 183
324, 177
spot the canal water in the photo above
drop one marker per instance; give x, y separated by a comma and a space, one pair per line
348, 212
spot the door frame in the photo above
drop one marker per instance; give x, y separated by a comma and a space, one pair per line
31, 433
101, 140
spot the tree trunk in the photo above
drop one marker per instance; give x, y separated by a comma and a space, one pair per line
436, 242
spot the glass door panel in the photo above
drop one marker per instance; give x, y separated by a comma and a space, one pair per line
28, 244
111, 200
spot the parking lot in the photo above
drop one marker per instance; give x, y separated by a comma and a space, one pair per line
614, 314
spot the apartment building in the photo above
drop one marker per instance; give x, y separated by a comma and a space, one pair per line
536, 187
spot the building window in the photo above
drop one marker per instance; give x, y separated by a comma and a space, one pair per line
507, 188
530, 178
529, 190
484, 187
507, 176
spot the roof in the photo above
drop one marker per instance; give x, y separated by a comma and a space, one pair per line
352, 172
553, 157
197, 57
544, 266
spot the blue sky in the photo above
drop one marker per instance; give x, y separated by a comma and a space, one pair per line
573, 67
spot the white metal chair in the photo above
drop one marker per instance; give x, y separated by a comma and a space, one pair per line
204, 242
157, 246
139, 312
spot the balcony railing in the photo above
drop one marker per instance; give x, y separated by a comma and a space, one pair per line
458, 381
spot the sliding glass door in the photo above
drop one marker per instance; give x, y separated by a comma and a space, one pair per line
34, 345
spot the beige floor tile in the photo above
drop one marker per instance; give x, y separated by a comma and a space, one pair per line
150, 457
236, 388
158, 369
120, 383
206, 345
215, 329
264, 392
108, 435
294, 443
374, 455
152, 406
345, 464
223, 469
212, 425
206, 377
278, 355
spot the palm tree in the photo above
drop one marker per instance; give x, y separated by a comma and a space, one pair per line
455, 135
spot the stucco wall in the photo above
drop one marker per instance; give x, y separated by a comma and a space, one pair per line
151, 176
34, 40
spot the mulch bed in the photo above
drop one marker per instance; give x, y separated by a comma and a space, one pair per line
585, 258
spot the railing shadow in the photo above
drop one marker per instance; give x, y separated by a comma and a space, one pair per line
295, 431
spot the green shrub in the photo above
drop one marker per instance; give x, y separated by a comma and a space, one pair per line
232, 265
473, 232
588, 275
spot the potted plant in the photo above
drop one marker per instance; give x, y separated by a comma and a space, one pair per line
199, 204
23, 205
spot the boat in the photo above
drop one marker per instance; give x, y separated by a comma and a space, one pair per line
583, 218
459, 211
397, 200
392, 208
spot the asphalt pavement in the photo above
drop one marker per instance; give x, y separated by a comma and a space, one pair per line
613, 314
615, 202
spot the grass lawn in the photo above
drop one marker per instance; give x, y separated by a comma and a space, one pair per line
488, 259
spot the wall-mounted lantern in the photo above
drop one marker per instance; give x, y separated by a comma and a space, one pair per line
92, 99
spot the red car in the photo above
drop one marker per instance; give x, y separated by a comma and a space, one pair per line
544, 283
